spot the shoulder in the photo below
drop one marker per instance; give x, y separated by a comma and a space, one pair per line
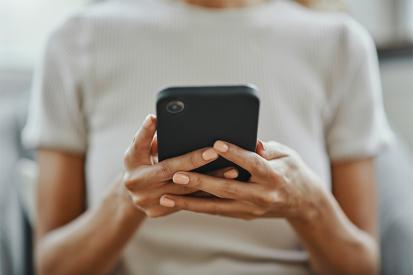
102, 17
350, 37
331, 30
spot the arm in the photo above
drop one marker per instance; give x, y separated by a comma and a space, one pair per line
71, 239
343, 237
340, 240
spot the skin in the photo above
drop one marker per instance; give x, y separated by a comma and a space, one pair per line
338, 229
338, 235
94, 237
223, 4
282, 186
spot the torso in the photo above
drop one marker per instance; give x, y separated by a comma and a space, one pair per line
138, 49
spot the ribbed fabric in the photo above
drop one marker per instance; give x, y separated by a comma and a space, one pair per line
320, 95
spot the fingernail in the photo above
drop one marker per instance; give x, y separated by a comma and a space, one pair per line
180, 178
221, 146
209, 154
231, 174
260, 148
147, 121
263, 145
166, 202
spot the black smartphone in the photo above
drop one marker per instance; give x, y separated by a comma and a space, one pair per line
190, 118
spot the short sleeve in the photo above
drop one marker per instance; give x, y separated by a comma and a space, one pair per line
358, 126
56, 118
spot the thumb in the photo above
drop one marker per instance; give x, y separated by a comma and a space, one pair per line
139, 152
154, 146
272, 150
259, 149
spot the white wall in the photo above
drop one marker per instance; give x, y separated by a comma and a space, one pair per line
24, 26
384, 18
372, 14
397, 79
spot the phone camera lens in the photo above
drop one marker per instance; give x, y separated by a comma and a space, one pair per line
175, 107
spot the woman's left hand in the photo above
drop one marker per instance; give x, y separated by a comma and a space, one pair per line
281, 185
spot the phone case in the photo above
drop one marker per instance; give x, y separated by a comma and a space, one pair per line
191, 118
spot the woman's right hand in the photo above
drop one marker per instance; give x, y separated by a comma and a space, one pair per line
147, 180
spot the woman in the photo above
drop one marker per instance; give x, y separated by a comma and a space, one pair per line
311, 204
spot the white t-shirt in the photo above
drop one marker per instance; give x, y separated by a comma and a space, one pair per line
320, 94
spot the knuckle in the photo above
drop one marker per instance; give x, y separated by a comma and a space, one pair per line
236, 150
131, 179
261, 170
154, 213
182, 204
196, 181
128, 181
258, 212
264, 199
285, 179
127, 158
274, 197
275, 176
166, 170
187, 189
269, 173
139, 200
194, 159
258, 165
291, 164
231, 190
179, 189
214, 209
270, 198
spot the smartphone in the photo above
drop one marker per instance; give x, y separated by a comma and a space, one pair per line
190, 118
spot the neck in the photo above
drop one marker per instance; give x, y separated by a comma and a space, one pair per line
223, 4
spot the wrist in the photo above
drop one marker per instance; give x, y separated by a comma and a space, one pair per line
313, 209
124, 211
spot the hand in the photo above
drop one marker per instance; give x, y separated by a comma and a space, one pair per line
146, 180
281, 185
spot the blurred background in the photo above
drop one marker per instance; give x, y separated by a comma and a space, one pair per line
24, 27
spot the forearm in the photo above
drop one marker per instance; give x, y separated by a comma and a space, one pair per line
92, 243
335, 244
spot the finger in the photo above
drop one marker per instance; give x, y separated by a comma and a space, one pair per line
150, 197
225, 188
139, 151
154, 150
255, 164
150, 175
212, 206
228, 173
158, 211
154, 145
273, 150
143, 177
175, 189
165, 169
259, 148
147, 176
154, 159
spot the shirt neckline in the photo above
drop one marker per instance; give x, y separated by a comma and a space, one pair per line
247, 11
